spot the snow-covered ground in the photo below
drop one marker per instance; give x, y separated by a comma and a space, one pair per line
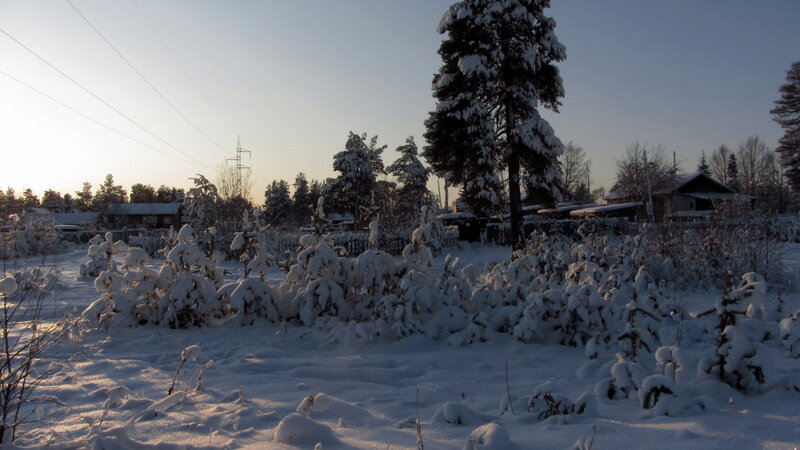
110, 390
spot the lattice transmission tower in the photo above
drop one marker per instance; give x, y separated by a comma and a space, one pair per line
239, 167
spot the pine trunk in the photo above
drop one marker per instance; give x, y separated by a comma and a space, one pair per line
515, 200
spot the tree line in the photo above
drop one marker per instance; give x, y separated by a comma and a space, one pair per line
360, 189
85, 200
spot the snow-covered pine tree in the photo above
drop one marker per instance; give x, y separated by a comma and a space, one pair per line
738, 362
639, 330
359, 165
201, 204
786, 112
100, 253
413, 176
301, 200
498, 67
790, 333
277, 203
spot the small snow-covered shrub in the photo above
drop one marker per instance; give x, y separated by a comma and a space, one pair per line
182, 293
29, 328
738, 362
640, 329
100, 255
670, 362
544, 404
30, 237
626, 378
658, 394
790, 333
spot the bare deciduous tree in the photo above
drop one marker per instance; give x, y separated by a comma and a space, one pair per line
232, 183
719, 164
574, 170
755, 164
632, 179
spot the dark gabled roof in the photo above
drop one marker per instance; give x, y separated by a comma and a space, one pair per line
82, 218
684, 180
144, 209
603, 208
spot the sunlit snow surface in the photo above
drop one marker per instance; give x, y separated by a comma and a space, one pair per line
111, 390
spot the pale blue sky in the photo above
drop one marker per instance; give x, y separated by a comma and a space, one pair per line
293, 77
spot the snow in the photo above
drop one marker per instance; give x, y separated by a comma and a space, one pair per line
249, 387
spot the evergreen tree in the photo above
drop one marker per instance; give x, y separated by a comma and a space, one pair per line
165, 194
787, 115
141, 193
277, 203
29, 200
52, 201
314, 192
498, 67
109, 193
69, 203
301, 200
413, 176
359, 166
84, 197
702, 165
733, 174
13, 205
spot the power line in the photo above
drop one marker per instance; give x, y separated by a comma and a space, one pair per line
175, 108
180, 66
88, 91
108, 127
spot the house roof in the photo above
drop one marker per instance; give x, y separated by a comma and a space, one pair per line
603, 208
144, 209
74, 218
684, 180
680, 182
562, 207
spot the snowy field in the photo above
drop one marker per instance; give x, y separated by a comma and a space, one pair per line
242, 387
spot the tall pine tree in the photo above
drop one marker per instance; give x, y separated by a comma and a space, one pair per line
277, 203
787, 114
413, 176
359, 165
498, 67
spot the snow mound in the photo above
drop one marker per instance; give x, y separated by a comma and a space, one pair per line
456, 414
489, 437
298, 430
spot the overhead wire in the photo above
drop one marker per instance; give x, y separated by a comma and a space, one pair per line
175, 108
108, 127
98, 98
180, 66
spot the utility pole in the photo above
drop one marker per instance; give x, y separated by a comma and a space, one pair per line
650, 211
237, 182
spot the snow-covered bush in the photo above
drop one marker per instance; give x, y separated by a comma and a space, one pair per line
29, 326
100, 255
36, 236
671, 363
182, 293
544, 404
658, 393
744, 365
315, 285
626, 378
790, 333
640, 328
